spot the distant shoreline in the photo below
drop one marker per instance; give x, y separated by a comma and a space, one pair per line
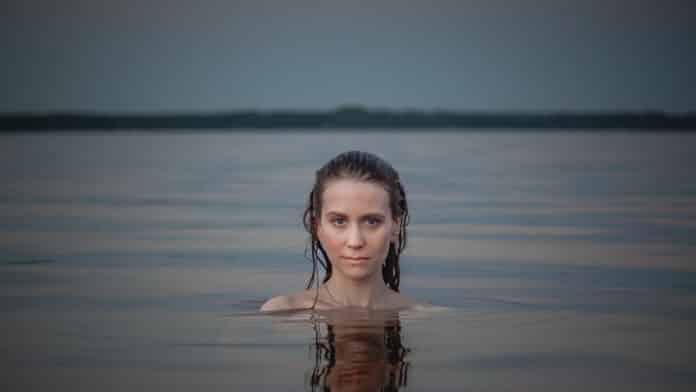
348, 118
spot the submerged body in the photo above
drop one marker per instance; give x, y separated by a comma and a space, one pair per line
320, 299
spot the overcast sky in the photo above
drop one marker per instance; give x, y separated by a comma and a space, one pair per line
150, 55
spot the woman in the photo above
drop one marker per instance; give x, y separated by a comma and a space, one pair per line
356, 218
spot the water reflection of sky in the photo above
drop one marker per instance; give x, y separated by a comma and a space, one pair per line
562, 257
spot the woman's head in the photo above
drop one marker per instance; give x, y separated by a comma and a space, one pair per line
352, 177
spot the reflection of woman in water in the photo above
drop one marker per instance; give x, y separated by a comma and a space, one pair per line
356, 217
360, 358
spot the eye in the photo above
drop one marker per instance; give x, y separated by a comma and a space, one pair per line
373, 221
338, 221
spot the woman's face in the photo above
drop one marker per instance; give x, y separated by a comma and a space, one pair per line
355, 227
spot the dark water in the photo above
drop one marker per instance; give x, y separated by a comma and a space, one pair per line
565, 261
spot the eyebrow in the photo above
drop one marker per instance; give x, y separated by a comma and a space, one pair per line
369, 214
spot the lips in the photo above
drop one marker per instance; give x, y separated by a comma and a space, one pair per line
355, 260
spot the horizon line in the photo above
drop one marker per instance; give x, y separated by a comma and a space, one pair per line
352, 109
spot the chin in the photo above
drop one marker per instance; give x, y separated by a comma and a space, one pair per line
360, 274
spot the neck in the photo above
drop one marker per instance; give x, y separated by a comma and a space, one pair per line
364, 294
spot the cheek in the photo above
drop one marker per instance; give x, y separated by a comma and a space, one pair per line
383, 239
328, 237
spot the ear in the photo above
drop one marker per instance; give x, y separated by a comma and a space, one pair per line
396, 230
318, 226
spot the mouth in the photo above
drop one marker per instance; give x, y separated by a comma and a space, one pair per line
355, 260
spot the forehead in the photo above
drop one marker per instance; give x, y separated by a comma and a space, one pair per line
351, 195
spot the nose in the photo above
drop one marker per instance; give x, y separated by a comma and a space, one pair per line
355, 238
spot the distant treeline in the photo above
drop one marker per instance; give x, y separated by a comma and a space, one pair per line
353, 118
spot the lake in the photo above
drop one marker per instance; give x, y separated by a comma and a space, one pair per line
557, 260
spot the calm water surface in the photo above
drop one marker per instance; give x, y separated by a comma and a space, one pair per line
136, 261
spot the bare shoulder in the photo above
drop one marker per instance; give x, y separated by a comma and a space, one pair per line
281, 302
399, 300
297, 301
403, 302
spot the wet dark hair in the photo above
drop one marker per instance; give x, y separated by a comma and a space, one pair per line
361, 166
